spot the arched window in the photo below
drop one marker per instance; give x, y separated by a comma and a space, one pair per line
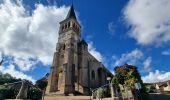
68, 24
65, 26
93, 74
99, 72
62, 28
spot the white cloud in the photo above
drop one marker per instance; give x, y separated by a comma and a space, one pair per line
1, 56
25, 64
13, 72
111, 28
135, 57
94, 52
167, 52
130, 58
25, 35
149, 21
156, 76
147, 64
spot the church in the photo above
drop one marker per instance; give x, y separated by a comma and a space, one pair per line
74, 70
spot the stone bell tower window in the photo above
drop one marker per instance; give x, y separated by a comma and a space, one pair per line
62, 28
65, 26
68, 24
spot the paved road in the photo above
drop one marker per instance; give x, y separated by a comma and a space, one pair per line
159, 97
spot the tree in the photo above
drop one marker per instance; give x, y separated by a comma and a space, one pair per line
5, 92
42, 83
34, 94
128, 75
7, 78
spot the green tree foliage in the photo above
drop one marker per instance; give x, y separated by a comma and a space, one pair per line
34, 94
7, 78
6, 93
128, 75
42, 83
151, 89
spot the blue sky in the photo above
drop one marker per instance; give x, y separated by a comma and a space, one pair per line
118, 32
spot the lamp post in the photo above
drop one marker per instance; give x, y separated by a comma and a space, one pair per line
111, 86
108, 79
138, 87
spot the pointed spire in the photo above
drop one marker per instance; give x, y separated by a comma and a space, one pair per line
71, 13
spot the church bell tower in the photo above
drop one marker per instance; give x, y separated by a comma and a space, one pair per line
65, 61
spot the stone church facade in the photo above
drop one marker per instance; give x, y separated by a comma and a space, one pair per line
74, 69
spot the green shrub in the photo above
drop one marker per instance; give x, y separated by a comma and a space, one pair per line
35, 94
6, 93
